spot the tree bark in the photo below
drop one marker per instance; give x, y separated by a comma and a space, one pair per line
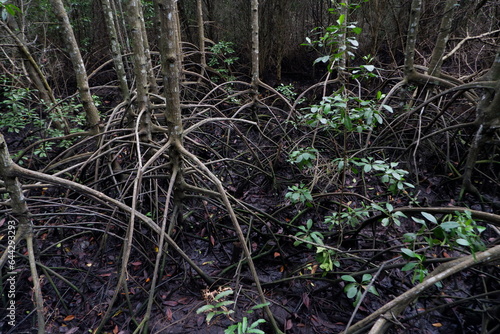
141, 66
91, 111
201, 33
442, 39
416, 11
24, 224
116, 49
488, 120
255, 45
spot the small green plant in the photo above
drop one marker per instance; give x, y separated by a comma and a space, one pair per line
303, 158
20, 114
326, 258
389, 174
287, 91
336, 41
219, 306
355, 289
308, 234
456, 230
299, 194
243, 327
350, 216
339, 112
462, 230
417, 265
221, 59
391, 215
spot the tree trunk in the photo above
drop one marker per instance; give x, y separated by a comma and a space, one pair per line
411, 41
91, 111
116, 49
444, 34
488, 120
141, 67
24, 229
255, 45
201, 33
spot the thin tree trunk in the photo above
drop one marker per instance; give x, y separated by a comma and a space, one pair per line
442, 39
342, 48
255, 45
34, 71
416, 11
24, 227
116, 49
171, 64
141, 67
488, 119
201, 33
153, 87
91, 111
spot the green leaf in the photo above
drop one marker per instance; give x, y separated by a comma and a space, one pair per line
224, 303
324, 59
388, 108
259, 306
210, 316
463, 242
369, 68
223, 294
429, 217
341, 19
448, 226
204, 309
257, 322
353, 41
408, 252
366, 278
309, 224
348, 278
419, 221
409, 266
357, 30
373, 290
351, 290
230, 329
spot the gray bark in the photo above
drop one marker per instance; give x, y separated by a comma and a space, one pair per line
91, 111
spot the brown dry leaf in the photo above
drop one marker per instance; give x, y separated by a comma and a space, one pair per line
289, 324
169, 314
184, 300
306, 300
170, 303
437, 324
69, 318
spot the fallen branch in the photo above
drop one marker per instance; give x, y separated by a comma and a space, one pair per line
443, 271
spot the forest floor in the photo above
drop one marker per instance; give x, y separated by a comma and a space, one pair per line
81, 253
